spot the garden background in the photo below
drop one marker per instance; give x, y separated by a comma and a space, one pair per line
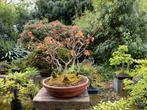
118, 33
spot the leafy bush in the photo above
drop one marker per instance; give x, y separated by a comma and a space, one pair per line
11, 24
10, 51
7, 20
6, 46
31, 71
23, 16
115, 23
4, 67
138, 87
63, 10
121, 104
14, 54
106, 71
88, 17
89, 70
34, 30
26, 89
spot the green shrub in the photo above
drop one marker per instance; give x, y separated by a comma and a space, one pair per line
24, 63
137, 88
39, 30
115, 23
106, 71
121, 104
12, 17
10, 51
23, 16
89, 70
6, 46
14, 54
88, 17
25, 86
7, 20
63, 10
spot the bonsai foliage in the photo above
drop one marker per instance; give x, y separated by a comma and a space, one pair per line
56, 44
38, 30
138, 87
120, 57
25, 87
75, 46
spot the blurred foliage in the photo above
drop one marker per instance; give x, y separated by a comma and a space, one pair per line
63, 10
23, 63
106, 71
89, 70
7, 20
39, 30
121, 104
12, 18
4, 67
137, 88
10, 51
25, 87
114, 23
6, 46
15, 53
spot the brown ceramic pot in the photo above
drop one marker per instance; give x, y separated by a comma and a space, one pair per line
66, 92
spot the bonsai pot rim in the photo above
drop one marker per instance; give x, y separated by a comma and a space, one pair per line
70, 87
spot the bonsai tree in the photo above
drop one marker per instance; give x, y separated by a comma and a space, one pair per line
37, 35
121, 58
75, 46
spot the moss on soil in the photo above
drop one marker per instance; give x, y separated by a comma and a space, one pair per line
69, 80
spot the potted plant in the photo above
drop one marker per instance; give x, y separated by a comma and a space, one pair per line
65, 84
36, 37
121, 60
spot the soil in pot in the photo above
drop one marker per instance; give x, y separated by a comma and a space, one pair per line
70, 80
68, 87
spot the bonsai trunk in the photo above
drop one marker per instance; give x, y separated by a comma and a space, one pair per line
123, 68
65, 71
73, 64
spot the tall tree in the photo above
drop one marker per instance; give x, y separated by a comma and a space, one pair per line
63, 10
